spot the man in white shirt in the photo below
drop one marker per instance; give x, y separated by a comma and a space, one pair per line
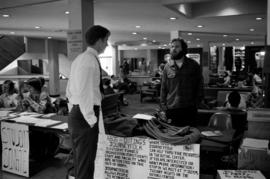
84, 91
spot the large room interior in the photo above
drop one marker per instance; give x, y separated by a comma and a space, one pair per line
228, 38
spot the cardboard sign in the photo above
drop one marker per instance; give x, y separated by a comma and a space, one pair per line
240, 174
143, 158
15, 148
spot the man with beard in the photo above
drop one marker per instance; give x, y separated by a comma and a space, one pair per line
182, 86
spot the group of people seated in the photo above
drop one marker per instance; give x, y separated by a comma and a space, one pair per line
32, 96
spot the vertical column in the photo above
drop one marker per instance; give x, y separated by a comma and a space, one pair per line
51, 47
115, 59
205, 62
266, 67
175, 34
80, 18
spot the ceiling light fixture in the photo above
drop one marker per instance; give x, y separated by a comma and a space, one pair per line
37, 27
225, 35
154, 41
188, 41
12, 32
237, 39
259, 18
67, 12
138, 26
223, 44
49, 37
198, 39
251, 30
172, 18
134, 33
6, 15
200, 26
189, 33
145, 38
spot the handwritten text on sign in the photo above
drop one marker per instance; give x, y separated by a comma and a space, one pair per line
240, 174
15, 148
138, 158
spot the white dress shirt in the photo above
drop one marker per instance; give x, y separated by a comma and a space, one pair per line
83, 84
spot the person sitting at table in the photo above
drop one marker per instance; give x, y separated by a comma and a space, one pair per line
37, 101
107, 86
238, 115
9, 97
255, 98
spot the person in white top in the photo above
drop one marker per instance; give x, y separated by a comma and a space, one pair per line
84, 91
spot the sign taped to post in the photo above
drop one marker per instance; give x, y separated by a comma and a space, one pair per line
144, 158
15, 148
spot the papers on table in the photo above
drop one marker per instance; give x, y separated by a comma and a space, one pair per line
255, 143
63, 126
35, 121
211, 133
143, 116
48, 115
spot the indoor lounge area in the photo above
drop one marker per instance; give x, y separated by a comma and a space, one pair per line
226, 134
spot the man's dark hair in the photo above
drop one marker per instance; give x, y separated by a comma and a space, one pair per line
35, 83
95, 33
183, 44
234, 98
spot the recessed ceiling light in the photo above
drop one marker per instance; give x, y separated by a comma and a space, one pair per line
145, 38
49, 37
223, 44
172, 18
251, 30
198, 39
67, 12
37, 27
6, 15
225, 35
188, 41
237, 39
138, 26
199, 26
134, 33
12, 32
154, 41
259, 18
252, 43
189, 33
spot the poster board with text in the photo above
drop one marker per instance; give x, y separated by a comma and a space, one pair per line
15, 148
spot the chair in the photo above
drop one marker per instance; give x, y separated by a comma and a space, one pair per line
223, 145
220, 121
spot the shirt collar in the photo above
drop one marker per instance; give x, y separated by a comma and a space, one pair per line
93, 51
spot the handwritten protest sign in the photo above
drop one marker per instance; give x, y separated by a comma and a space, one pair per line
240, 174
15, 148
143, 158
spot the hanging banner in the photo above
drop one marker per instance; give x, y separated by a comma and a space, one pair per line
143, 158
15, 148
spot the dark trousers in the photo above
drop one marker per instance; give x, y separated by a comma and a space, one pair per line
183, 116
84, 143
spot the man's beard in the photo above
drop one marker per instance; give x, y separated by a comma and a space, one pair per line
177, 56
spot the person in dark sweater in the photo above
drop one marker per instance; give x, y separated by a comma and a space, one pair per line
181, 86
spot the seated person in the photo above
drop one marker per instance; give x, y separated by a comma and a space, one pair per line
37, 101
239, 116
9, 97
255, 99
107, 86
